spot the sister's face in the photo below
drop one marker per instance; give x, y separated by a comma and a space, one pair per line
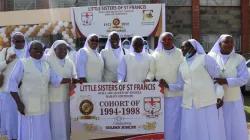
61, 51
36, 50
93, 42
138, 45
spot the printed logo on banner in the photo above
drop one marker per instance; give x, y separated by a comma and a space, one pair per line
116, 24
87, 17
116, 21
86, 108
147, 14
152, 107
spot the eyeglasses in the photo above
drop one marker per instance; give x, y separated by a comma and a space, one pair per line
20, 41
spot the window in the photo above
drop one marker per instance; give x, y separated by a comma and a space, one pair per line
121, 2
220, 2
180, 38
14, 5
71, 3
248, 64
247, 57
208, 41
178, 2
215, 21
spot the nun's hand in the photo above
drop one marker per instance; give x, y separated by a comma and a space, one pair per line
219, 103
221, 81
75, 81
163, 84
20, 107
11, 58
83, 80
72, 86
146, 80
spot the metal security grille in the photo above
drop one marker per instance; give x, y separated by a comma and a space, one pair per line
178, 2
208, 40
220, 2
168, 2
15, 5
71, 3
120, 2
180, 38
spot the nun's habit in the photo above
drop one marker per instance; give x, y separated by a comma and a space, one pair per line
89, 63
59, 96
33, 126
9, 119
112, 58
234, 69
134, 66
199, 112
164, 65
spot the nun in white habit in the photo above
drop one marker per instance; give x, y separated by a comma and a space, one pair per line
126, 44
112, 55
201, 97
146, 47
59, 96
233, 75
8, 59
89, 64
164, 64
32, 98
135, 65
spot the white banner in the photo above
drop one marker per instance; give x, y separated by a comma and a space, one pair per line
128, 20
110, 110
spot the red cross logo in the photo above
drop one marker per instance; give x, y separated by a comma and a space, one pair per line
151, 101
87, 15
87, 18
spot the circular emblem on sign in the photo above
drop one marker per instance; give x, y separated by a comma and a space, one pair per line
86, 107
116, 21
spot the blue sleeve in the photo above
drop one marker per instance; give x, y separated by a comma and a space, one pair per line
242, 76
122, 71
81, 61
179, 85
15, 77
54, 79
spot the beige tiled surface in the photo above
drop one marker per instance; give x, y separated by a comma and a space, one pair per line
3, 138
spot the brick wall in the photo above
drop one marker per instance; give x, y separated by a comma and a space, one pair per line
245, 12
179, 24
219, 20
196, 19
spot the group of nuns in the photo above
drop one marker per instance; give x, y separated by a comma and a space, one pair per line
202, 96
